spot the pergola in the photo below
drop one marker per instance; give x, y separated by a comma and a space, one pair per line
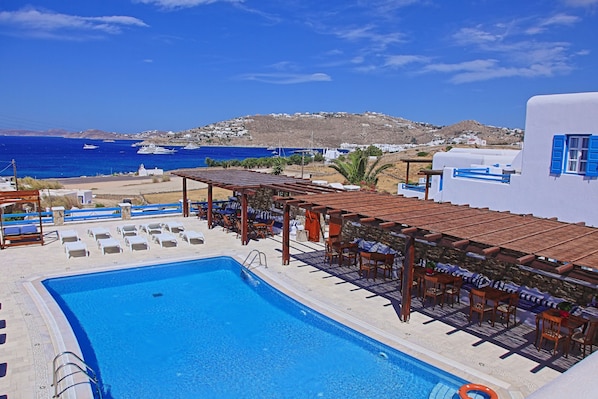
542, 244
247, 183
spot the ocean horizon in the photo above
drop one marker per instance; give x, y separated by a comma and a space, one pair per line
43, 157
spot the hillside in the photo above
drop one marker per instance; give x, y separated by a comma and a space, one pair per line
324, 129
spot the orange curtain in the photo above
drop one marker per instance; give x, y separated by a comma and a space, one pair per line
312, 225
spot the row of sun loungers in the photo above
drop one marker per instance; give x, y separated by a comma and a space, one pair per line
162, 234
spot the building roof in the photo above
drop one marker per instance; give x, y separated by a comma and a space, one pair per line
544, 244
240, 180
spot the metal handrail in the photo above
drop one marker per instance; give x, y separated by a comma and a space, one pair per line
87, 371
256, 254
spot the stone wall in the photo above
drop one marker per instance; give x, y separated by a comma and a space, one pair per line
492, 268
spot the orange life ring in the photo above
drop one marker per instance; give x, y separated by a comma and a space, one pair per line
465, 389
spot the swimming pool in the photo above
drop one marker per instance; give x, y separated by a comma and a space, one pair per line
197, 329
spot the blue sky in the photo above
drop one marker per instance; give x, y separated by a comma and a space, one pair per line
134, 65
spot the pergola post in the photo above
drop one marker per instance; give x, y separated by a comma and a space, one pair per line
407, 281
244, 217
286, 227
209, 210
185, 200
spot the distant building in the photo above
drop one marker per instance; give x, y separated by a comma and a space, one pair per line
554, 175
149, 172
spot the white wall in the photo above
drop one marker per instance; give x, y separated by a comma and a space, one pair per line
570, 198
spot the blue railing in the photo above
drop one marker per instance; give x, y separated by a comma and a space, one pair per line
156, 209
72, 215
414, 187
481, 174
14, 219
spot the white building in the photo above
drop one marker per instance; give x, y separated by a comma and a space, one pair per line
149, 172
554, 175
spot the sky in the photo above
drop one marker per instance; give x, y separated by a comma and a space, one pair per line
128, 66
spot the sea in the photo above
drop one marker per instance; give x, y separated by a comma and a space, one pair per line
58, 157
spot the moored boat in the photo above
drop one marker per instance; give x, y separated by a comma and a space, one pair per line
90, 146
191, 146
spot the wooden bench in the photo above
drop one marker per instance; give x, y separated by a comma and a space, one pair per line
21, 235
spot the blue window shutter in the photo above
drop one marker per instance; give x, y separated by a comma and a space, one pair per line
558, 154
592, 165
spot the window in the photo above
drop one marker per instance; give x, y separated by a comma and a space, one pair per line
574, 154
577, 154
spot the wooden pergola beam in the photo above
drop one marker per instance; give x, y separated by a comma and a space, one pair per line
461, 244
524, 260
490, 251
433, 236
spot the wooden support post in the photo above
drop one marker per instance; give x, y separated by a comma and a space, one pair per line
244, 218
210, 202
407, 281
185, 199
286, 227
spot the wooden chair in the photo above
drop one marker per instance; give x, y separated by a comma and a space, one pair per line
227, 224
585, 338
369, 262
454, 291
389, 260
331, 252
551, 330
349, 253
479, 304
433, 289
509, 308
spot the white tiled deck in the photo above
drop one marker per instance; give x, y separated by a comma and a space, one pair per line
30, 345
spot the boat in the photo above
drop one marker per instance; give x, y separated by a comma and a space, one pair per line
161, 150
154, 149
90, 146
108, 141
191, 146
271, 148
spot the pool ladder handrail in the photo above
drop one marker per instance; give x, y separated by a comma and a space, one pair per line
80, 367
256, 254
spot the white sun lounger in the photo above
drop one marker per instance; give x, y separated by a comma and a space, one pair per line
151, 228
68, 236
127, 230
163, 238
136, 242
98, 232
76, 248
192, 236
109, 244
174, 227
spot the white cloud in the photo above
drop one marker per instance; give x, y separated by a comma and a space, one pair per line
47, 24
286, 78
402, 60
179, 4
581, 3
556, 20
367, 33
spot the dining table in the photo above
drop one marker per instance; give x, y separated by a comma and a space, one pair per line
496, 296
569, 323
443, 279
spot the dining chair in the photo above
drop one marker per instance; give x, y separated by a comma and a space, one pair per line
509, 308
368, 262
453, 291
551, 330
433, 289
479, 304
349, 253
585, 337
330, 252
386, 267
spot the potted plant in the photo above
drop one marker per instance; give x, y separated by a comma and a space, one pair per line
430, 267
564, 308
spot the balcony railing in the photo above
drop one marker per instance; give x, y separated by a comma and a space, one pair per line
482, 174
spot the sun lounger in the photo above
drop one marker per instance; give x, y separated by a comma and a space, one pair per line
192, 236
135, 242
127, 230
164, 238
98, 232
109, 245
68, 236
174, 227
151, 228
76, 248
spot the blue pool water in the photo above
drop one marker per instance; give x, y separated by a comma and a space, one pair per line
197, 329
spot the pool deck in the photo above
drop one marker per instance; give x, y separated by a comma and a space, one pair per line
439, 336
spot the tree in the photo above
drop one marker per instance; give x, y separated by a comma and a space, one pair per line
356, 171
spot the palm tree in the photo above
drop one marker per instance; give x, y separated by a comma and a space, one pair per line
355, 169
